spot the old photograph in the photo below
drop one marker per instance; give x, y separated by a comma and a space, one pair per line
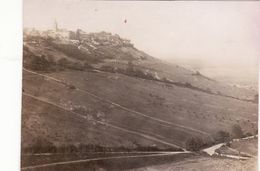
140, 85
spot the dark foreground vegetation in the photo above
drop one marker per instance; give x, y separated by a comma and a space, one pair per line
121, 162
44, 146
197, 143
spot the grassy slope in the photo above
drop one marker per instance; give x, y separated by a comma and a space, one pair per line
61, 127
180, 74
170, 103
119, 57
183, 106
249, 146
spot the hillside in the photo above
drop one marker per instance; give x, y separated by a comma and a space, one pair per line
98, 89
112, 53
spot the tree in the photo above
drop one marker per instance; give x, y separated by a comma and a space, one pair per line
248, 134
237, 131
222, 136
130, 68
256, 98
43, 146
78, 34
194, 144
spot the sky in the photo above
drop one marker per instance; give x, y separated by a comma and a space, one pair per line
206, 34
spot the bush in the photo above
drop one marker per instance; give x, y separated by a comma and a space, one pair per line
65, 63
140, 74
188, 85
40, 63
208, 90
222, 136
88, 66
248, 134
72, 87
255, 98
237, 131
42, 146
194, 144
107, 68
219, 93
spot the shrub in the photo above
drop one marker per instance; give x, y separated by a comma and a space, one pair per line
166, 80
248, 134
255, 98
194, 144
188, 85
65, 63
76, 66
87, 66
107, 68
228, 144
42, 146
72, 87
222, 136
208, 90
40, 63
237, 131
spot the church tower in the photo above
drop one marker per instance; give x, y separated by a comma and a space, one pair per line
56, 25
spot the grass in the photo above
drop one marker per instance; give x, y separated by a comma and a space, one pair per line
173, 104
249, 146
167, 112
118, 164
155, 98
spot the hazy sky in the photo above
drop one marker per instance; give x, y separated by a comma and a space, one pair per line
210, 33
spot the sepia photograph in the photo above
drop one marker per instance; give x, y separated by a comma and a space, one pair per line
140, 85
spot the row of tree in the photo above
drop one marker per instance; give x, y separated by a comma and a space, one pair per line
44, 146
197, 143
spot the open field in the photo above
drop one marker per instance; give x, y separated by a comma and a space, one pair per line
203, 163
246, 145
